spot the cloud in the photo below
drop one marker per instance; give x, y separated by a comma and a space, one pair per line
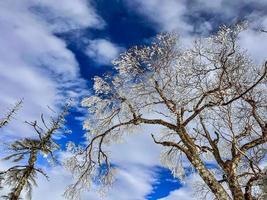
167, 15
137, 148
34, 63
135, 158
191, 18
183, 193
253, 39
196, 17
132, 183
67, 15
102, 51
193, 188
228, 9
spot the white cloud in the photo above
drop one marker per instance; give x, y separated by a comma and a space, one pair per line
135, 175
65, 15
215, 4
37, 66
193, 188
34, 63
102, 51
182, 193
132, 183
229, 10
136, 158
168, 15
190, 18
253, 39
138, 148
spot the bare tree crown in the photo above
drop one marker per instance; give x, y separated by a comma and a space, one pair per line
8, 116
24, 153
210, 100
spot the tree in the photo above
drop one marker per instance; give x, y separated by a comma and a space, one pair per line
23, 176
6, 119
210, 100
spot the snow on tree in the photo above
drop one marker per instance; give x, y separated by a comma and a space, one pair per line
6, 119
210, 100
24, 152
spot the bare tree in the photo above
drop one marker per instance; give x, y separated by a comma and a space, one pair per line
6, 119
210, 100
23, 176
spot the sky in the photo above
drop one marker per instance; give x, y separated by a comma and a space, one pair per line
51, 50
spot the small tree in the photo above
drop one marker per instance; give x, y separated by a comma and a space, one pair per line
210, 100
6, 119
23, 176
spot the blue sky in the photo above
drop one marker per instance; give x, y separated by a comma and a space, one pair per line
51, 50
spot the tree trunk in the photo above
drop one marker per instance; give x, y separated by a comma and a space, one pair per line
236, 191
209, 178
232, 181
15, 194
